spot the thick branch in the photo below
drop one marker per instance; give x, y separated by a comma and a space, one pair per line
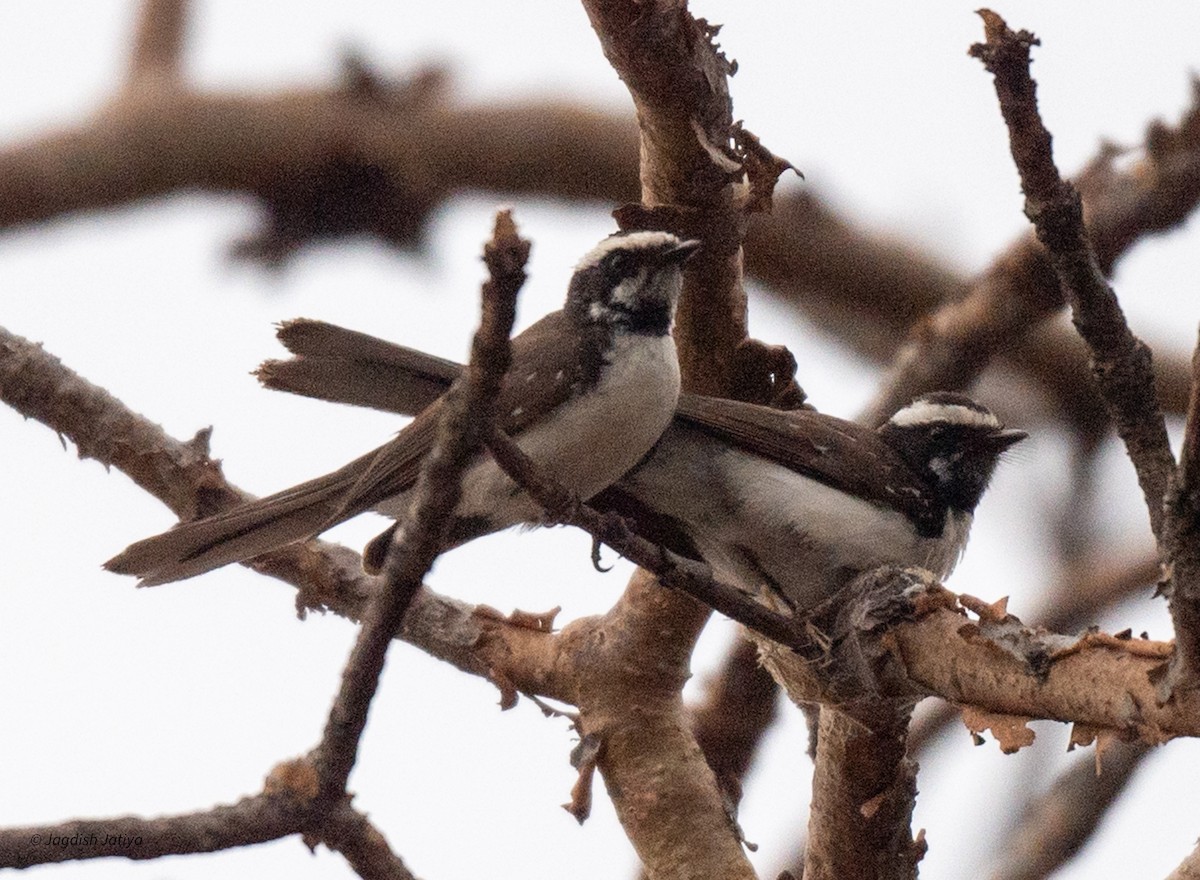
633, 662
1095, 680
905, 637
324, 162
677, 78
864, 790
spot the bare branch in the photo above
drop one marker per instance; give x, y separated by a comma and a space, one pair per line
971, 323
675, 571
1181, 544
1097, 680
251, 820
465, 421
905, 637
1120, 361
864, 790
632, 663
157, 44
287, 806
677, 78
739, 707
324, 162
1189, 868
349, 832
1063, 819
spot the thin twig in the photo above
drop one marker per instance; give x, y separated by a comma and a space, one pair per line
157, 43
251, 820
351, 833
465, 422
1120, 361
1182, 544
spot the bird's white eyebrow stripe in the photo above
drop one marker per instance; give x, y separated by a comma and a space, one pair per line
630, 240
923, 412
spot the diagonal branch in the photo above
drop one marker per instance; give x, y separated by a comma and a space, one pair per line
1120, 361
675, 571
464, 423
284, 808
328, 576
1063, 819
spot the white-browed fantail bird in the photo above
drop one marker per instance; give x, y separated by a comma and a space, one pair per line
590, 390
791, 501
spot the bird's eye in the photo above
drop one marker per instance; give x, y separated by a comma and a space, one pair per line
620, 264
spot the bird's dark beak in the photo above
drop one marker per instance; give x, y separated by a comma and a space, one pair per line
1001, 440
682, 252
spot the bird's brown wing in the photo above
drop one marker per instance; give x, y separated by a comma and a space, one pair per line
840, 454
544, 373
797, 439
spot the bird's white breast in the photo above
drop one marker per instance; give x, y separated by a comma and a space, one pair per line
592, 439
756, 521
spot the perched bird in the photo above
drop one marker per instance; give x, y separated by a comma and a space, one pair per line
794, 502
589, 391
800, 503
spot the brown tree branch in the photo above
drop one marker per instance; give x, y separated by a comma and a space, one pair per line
251, 820
906, 637
349, 832
738, 708
1189, 868
465, 421
676, 76
376, 156
157, 44
323, 162
665, 795
1121, 362
1095, 680
1181, 545
328, 576
633, 662
1059, 822
864, 790
286, 807
969, 324
680, 573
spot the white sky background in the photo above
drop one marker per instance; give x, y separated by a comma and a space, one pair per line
119, 701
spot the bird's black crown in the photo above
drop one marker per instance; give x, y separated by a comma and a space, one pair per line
953, 442
630, 281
